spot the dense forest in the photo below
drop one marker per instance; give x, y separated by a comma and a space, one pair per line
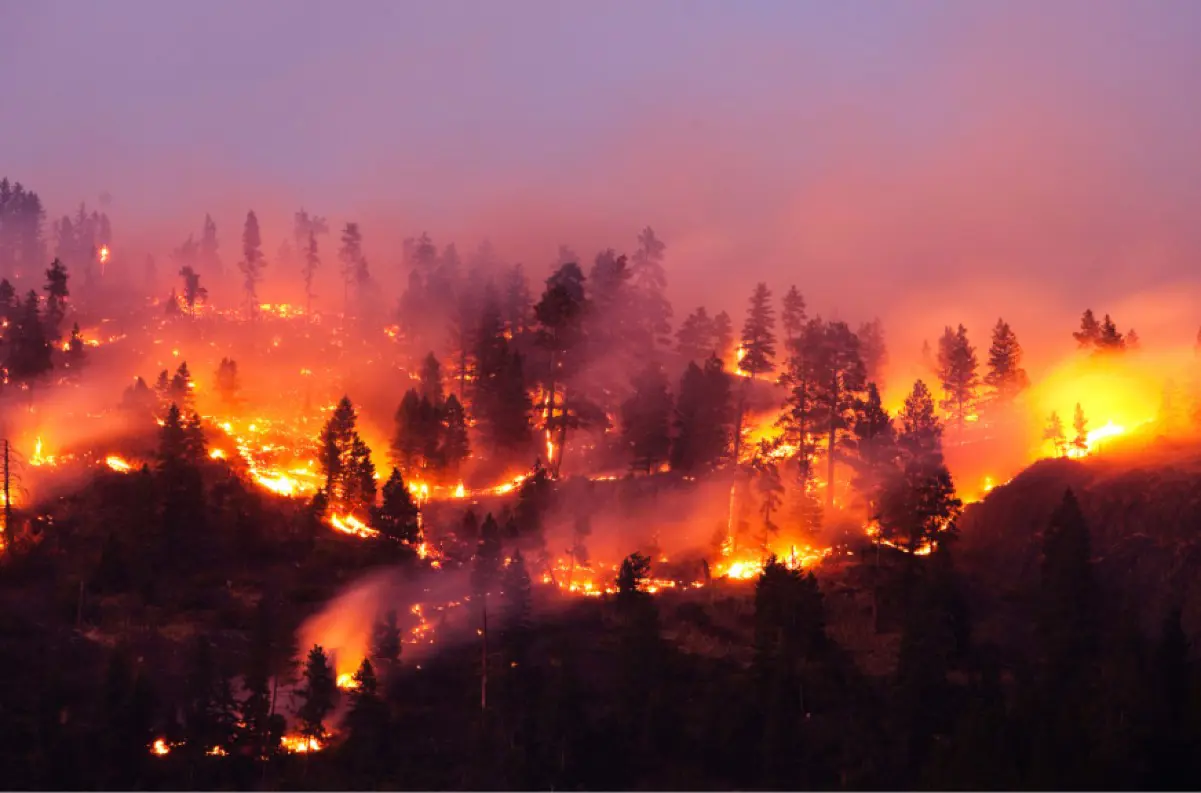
464, 528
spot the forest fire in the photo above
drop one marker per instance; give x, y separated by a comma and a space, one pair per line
118, 464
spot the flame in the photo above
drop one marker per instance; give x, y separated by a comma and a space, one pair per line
349, 524
160, 747
103, 252
459, 491
300, 744
346, 682
216, 454
118, 464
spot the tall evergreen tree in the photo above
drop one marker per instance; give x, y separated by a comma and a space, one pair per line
431, 380
210, 249
193, 292
1090, 331
702, 418
456, 446
758, 334
875, 447
210, 711
28, 346
1005, 376
646, 419
957, 371
397, 515
873, 350
1054, 434
318, 694
56, 297
650, 280
354, 270
695, 340
1110, 339
346, 461
312, 261
723, 336
1080, 425
560, 313
252, 262
792, 314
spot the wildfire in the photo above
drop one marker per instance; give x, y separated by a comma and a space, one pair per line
349, 524
301, 744
38, 459
459, 491
346, 682
160, 747
118, 464
103, 254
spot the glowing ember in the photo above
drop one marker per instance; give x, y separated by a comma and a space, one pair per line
160, 747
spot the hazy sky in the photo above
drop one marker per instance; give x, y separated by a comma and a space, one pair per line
864, 150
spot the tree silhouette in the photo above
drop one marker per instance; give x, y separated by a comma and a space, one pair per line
252, 262
318, 694
702, 418
1054, 433
646, 419
758, 336
1005, 375
397, 516
346, 461
957, 371
1080, 425
792, 314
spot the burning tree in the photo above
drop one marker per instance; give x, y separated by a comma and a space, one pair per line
957, 371
193, 292
560, 314
346, 461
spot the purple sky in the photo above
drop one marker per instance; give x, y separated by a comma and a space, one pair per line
864, 150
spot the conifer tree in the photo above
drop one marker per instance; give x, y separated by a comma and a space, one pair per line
560, 313
695, 340
209, 714
875, 445
1110, 339
386, 645
318, 695
193, 292
1080, 425
702, 418
346, 461
228, 384
456, 446
8, 300
1054, 434
56, 297
1133, 342
312, 262
645, 419
29, 350
873, 350
354, 270
1005, 376
397, 515
210, 254
957, 371
723, 337
431, 380
500, 402
758, 334
252, 262
367, 725
650, 282
792, 314
1090, 331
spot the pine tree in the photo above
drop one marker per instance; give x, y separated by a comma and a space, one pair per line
56, 297
517, 300
1090, 331
1133, 342
650, 280
758, 336
346, 461
209, 712
312, 262
29, 349
455, 447
354, 271
792, 314
431, 380
499, 399
702, 418
516, 586
1005, 376
875, 446
645, 420
228, 384
560, 313
957, 371
1054, 434
695, 340
397, 515
723, 336
386, 645
8, 301
318, 694
76, 354
1110, 340
193, 292
252, 263
873, 350
368, 727
210, 254
1080, 425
